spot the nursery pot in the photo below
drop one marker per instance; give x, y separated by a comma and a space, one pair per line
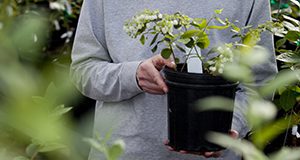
187, 126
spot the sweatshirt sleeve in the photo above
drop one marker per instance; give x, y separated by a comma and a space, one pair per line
259, 13
92, 69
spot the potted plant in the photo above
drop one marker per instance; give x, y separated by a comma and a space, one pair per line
198, 76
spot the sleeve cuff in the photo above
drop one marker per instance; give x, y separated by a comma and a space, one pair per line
128, 77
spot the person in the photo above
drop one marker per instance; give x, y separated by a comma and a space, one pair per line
124, 76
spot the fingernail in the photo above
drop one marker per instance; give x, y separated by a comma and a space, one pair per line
183, 152
170, 148
165, 90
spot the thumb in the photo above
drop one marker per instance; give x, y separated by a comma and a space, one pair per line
234, 134
170, 62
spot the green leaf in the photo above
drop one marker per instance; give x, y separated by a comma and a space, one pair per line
280, 42
61, 110
32, 149
184, 41
287, 154
287, 100
251, 38
215, 103
236, 72
177, 60
219, 11
284, 78
296, 3
116, 150
180, 48
142, 39
191, 43
203, 42
203, 24
292, 35
190, 33
51, 147
21, 158
240, 146
154, 39
95, 144
289, 57
154, 49
218, 27
200, 25
166, 53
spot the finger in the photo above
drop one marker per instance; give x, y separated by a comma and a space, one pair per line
234, 134
183, 152
166, 142
159, 62
170, 63
157, 78
216, 154
170, 148
149, 85
208, 154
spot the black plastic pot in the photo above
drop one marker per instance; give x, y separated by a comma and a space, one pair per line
187, 125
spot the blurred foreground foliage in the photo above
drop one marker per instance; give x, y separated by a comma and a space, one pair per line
35, 44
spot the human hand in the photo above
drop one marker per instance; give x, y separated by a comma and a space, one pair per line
148, 76
232, 133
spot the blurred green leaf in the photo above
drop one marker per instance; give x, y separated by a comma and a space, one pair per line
217, 27
241, 147
287, 100
284, 78
286, 154
236, 72
260, 112
48, 147
21, 158
269, 131
280, 43
116, 150
166, 53
215, 103
219, 11
32, 149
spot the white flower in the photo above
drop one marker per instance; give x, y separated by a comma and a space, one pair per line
213, 69
220, 70
56, 5
160, 16
164, 30
175, 22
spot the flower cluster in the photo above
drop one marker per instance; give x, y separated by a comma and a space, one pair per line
225, 55
163, 23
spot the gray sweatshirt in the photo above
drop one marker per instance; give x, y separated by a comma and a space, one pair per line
105, 60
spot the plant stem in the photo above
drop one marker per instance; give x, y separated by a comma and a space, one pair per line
287, 129
33, 156
173, 55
